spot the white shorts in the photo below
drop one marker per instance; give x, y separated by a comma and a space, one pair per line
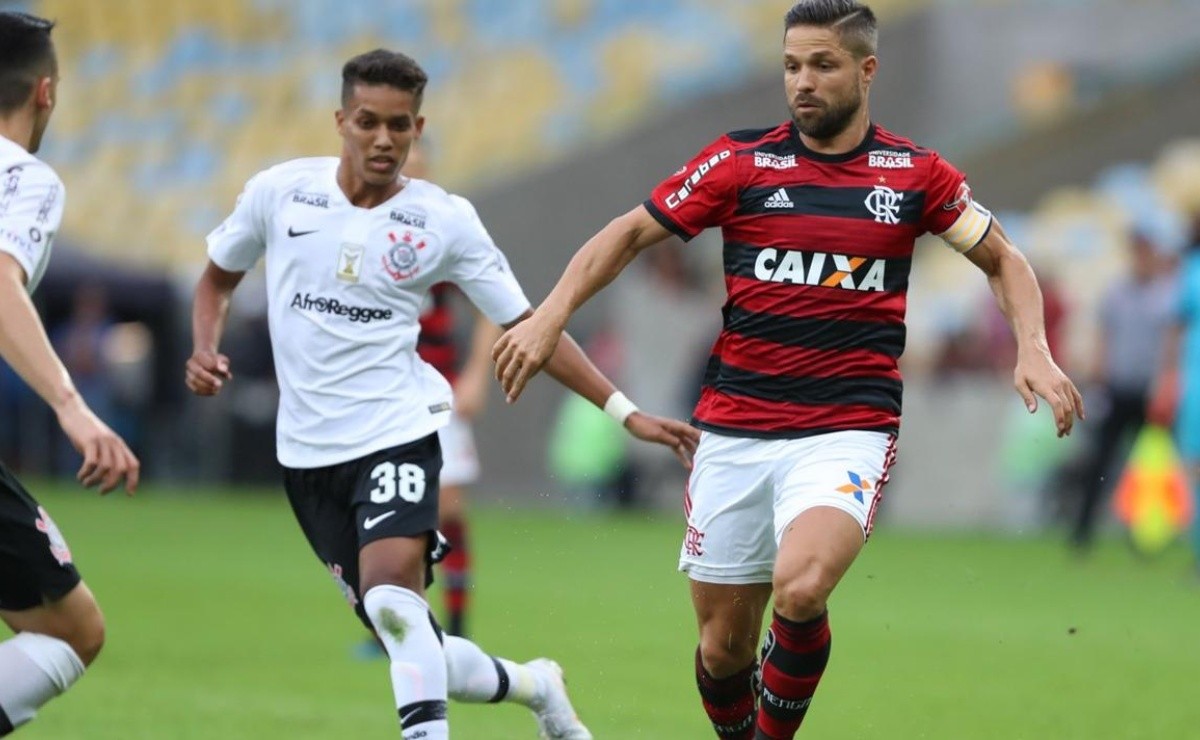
460, 463
744, 492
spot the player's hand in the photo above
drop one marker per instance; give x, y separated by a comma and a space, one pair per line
207, 373
1038, 375
679, 436
106, 457
523, 351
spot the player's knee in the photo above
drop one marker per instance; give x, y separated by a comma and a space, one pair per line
801, 593
89, 637
83, 629
724, 654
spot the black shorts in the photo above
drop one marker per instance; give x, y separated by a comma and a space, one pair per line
35, 562
344, 507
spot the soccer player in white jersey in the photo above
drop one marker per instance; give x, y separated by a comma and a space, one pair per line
351, 247
59, 628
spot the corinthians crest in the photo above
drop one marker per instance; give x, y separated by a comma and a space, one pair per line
401, 260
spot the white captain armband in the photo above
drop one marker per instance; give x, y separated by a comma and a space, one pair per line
619, 407
972, 224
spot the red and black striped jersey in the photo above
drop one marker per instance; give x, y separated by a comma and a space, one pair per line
817, 252
435, 344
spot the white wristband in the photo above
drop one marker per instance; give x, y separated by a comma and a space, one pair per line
619, 407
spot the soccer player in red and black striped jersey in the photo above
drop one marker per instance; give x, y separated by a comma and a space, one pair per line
801, 402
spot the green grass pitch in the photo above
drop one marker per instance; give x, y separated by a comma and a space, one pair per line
223, 625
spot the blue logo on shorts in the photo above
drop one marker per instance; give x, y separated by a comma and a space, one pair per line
857, 487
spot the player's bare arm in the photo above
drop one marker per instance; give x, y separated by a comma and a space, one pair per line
1020, 299
570, 366
525, 349
207, 369
24, 346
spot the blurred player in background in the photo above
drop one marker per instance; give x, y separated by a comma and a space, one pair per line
59, 628
460, 462
801, 401
352, 247
1135, 315
1176, 397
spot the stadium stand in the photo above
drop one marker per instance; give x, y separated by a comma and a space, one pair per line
177, 102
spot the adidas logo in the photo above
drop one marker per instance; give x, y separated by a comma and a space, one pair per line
780, 199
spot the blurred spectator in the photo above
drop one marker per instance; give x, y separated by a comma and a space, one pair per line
1134, 315
80, 342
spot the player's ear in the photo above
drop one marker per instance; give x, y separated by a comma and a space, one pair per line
418, 126
43, 94
339, 117
868, 67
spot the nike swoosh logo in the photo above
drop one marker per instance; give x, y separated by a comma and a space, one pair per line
292, 232
405, 718
371, 521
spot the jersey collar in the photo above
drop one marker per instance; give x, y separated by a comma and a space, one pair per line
854, 153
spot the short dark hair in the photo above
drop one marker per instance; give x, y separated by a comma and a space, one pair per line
383, 67
26, 53
853, 21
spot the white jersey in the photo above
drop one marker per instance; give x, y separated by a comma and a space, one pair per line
345, 288
31, 209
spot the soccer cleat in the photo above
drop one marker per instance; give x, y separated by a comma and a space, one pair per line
555, 716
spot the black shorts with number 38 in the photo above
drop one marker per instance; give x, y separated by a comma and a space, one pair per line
35, 563
344, 507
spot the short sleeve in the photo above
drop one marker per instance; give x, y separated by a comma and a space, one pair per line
31, 208
479, 269
950, 210
700, 195
239, 242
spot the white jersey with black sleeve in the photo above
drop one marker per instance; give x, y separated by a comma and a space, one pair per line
31, 209
345, 290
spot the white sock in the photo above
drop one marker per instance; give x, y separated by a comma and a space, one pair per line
401, 620
475, 677
33, 670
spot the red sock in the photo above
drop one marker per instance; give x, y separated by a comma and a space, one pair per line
729, 702
456, 575
794, 657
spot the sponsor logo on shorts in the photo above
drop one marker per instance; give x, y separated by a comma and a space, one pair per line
370, 522
693, 542
858, 487
58, 544
339, 580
